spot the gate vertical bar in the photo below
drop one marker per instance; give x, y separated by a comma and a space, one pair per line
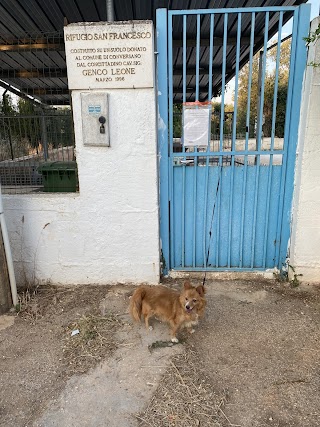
205, 250
300, 61
195, 148
233, 140
259, 136
253, 17
273, 127
197, 57
223, 84
162, 76
171, 177
184, 82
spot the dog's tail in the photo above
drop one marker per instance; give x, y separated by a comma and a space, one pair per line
135, 307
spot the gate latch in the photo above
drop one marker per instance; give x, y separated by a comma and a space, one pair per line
187, 162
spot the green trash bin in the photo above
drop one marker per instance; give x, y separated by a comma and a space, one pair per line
59, 177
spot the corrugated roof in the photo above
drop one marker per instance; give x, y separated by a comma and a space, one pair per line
32, 55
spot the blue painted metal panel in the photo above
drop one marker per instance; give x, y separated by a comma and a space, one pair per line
237, 252
239, 182
200, 201
248, 216
177, 215
189, 215
273, 214
214, 179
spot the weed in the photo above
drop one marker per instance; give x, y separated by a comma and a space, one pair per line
281, 275
284, 276
294, 282
27, 303
313, 36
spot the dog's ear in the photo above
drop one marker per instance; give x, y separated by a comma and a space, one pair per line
201, 290
187, 285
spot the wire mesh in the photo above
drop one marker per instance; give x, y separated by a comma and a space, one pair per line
36, 149
36, 128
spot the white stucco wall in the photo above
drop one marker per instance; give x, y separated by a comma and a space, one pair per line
109, 231
305, 237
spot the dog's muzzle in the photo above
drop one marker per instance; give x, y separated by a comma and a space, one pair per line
188, 308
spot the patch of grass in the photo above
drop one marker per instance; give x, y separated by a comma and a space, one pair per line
295, 282
95, 341
185, 397
27, 302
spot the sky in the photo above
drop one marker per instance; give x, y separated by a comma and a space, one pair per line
287, 30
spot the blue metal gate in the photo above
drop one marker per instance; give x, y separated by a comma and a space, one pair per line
226, 205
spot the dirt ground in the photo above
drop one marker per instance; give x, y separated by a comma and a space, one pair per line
253, 361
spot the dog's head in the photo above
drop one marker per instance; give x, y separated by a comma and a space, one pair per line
191, 298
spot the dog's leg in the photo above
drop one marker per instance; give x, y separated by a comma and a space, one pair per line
190, 330
146, 321
174, 330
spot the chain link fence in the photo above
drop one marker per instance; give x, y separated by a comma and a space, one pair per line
36, 148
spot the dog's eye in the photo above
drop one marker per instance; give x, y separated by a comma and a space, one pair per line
194, 300
186, 299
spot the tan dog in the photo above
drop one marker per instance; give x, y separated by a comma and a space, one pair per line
178, 309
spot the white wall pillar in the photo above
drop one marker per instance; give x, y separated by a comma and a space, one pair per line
305, 237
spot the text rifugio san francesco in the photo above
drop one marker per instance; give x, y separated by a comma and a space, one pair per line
112, 63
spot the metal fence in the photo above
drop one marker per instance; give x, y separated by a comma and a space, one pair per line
37, 152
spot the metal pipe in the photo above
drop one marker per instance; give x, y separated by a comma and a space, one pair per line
110, 10
7, 250
259, 116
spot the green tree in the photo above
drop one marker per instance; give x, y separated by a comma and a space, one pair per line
29, 124
269, 87
7, 106
282, 90
7, 134
216, 118
243, 97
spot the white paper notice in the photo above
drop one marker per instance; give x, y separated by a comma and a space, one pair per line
196, 126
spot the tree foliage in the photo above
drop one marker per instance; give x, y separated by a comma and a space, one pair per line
7, 106
216, 118
269, 92
26, 129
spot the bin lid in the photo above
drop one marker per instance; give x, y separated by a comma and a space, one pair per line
58, 166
